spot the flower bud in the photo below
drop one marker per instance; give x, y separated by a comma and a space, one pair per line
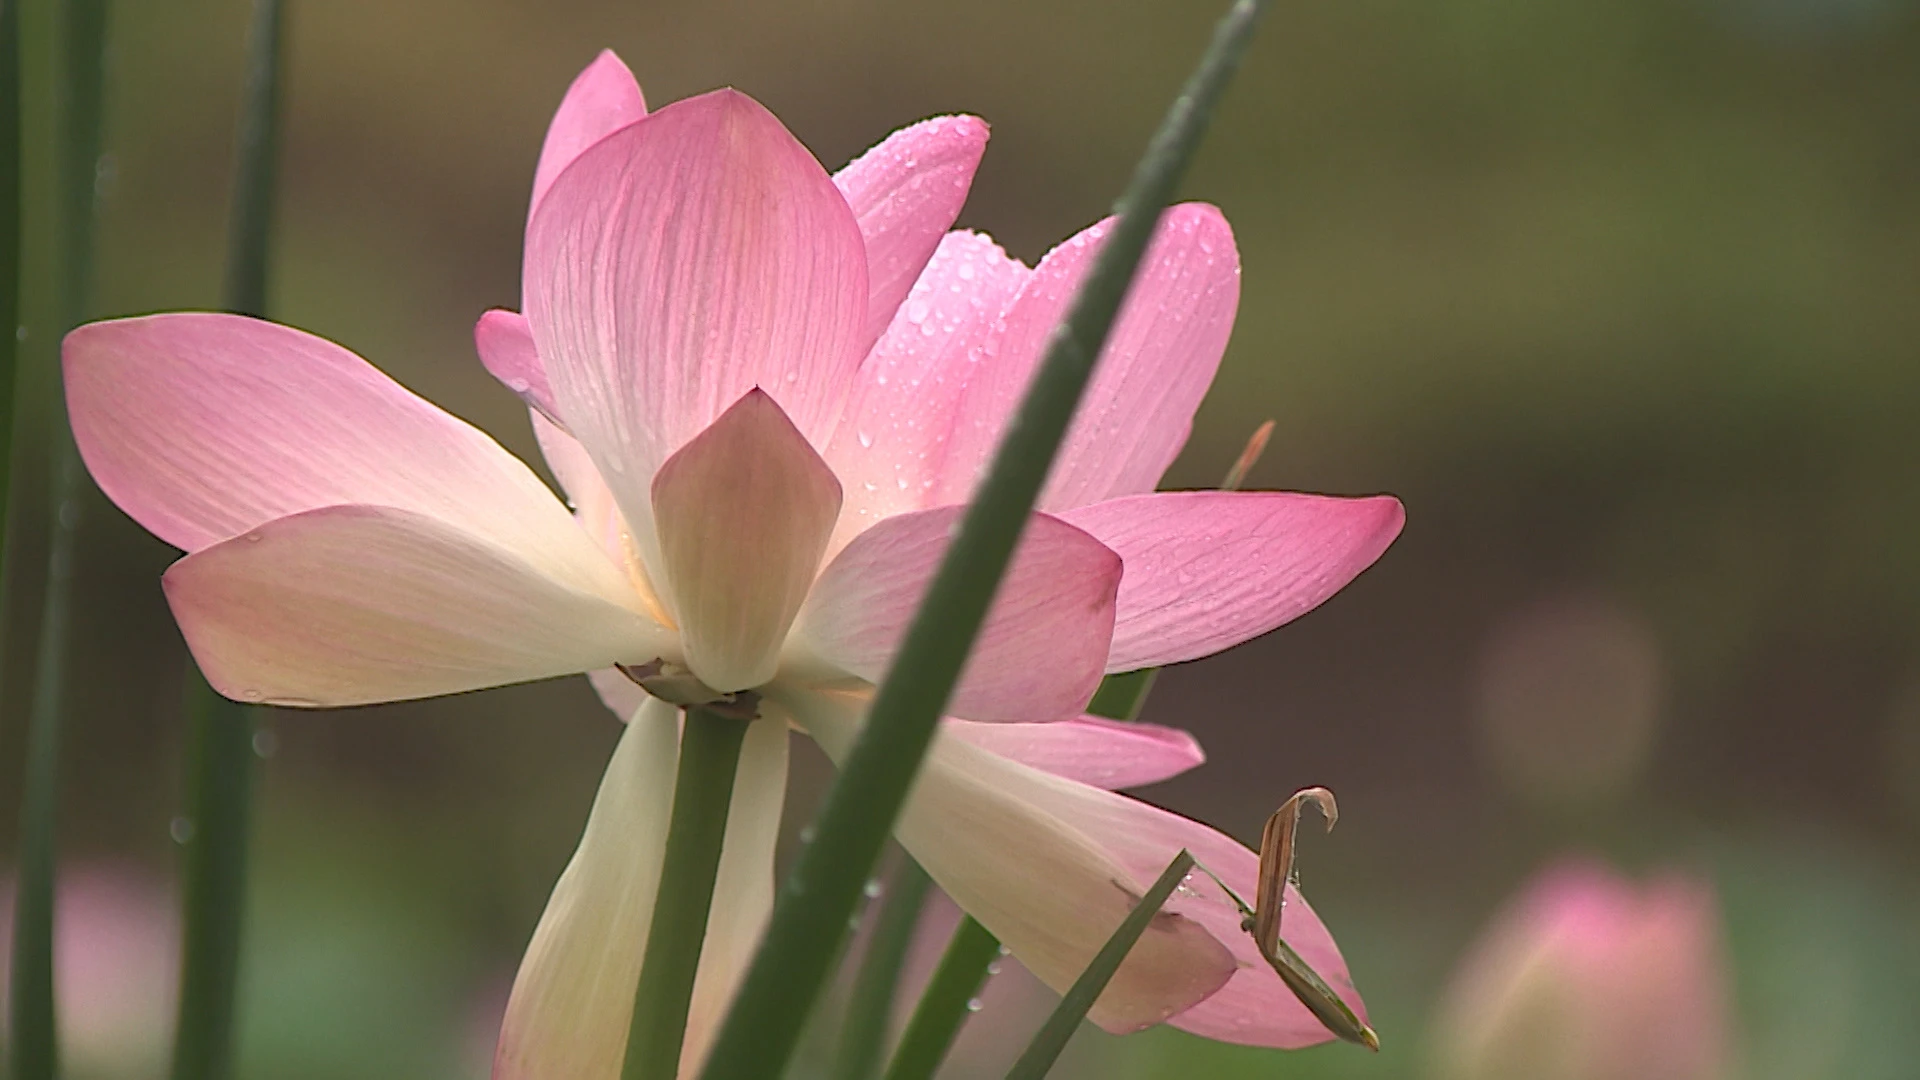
1588, 976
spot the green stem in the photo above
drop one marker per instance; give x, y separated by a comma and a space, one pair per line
220, 770
1053, 1035
80, 87
946, 1003
220, 787
809, 917
12, 211
702, 790
870, 1007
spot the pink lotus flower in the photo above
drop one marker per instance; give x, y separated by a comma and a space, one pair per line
766, 391
1587, 976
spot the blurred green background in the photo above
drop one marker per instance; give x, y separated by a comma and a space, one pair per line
1621, 297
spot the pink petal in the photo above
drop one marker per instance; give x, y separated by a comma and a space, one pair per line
1044, 645
992, 835
679, 264
743, 513
204, 426
1157, 364
891, 443
505, 344
905, 193
1091, 750
603, 99
348, 605
573, 997
1207, 570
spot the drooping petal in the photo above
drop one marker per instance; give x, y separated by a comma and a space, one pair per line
573, 997
204, 426
743, 887
505, 345
891, 443
348, 605
1051, 890
1091, 750
604, 98
1207, 570
1044, 646
905, 192
743, 513
680, 263
1157, 364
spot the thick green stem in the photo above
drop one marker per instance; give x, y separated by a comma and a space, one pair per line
870, 1007
220, 769
702, 790
79, 91
946, 1003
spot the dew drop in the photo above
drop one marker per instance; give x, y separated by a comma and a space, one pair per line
917, 311
181, 829
253, 538
993, 968
807, 834
265, 743
519, 386
871, 890
866, 440
965, 271
252, 695
974, 1005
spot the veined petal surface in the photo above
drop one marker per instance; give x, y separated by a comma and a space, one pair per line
1157, 364
1092, 750
1043, 648
349, 605
890, 447
680, 263
204, 426
743, 513
1051, 891
604, 98
1207, 570
905, 192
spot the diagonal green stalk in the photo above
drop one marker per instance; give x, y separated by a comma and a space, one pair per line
1053, 1035
702, 791
809, 918
79, 91
870, 1007
220, 769
946, 1002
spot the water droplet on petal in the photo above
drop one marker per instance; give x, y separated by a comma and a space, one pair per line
181, 829
974, 1005
866, 440
871, 890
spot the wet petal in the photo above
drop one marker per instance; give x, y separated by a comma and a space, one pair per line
905, 192
1207, 570
891, 444
349, 605
1158, 362
1043, 649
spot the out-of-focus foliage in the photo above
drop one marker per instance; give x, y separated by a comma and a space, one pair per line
1622, 297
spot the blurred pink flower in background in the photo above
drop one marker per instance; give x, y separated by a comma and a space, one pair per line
116, 944
1589, 976
766, 391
